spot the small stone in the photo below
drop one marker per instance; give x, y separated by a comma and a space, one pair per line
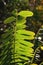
37, 55
1, 29
39, 38
4, 3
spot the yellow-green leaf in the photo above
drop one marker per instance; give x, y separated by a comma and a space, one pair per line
25, 13
30, 33
9, 20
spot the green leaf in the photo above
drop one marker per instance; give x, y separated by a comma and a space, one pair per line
16, 48
9, 20
25, 13
26, 32
14, 12
24, 37
25, 43
23, 50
